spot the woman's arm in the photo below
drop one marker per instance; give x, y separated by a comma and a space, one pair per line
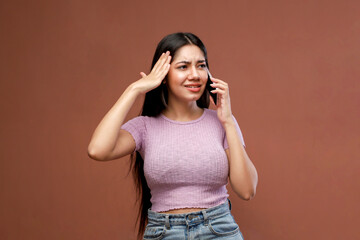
242, 173
108, 135
109, 141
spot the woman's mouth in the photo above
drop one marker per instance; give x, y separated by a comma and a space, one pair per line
193, 87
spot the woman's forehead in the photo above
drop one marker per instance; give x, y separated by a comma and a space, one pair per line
189, 53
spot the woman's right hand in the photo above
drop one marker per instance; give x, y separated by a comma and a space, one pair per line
156, 76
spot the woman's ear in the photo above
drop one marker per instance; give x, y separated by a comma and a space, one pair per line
164, 80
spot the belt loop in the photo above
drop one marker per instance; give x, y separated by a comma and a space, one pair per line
167, 221
205, 217
229, 204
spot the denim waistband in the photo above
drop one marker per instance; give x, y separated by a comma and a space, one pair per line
191, 218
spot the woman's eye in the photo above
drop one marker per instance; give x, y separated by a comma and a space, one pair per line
202, 66
182, 67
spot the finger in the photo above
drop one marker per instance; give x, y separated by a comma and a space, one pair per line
164, 71
143, 74
165, 61
158, 62
161, 61
168, 59
219, 91
215, 80
166, 65
218, 85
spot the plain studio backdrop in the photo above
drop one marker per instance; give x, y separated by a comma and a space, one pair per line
293, 71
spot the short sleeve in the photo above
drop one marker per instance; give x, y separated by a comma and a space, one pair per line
226, 145
136, 127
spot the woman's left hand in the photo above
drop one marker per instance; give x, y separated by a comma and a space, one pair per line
223, 100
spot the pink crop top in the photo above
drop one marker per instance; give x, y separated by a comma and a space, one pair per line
185, 163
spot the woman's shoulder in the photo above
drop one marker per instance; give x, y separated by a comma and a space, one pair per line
211, 113
145, 120
211, 117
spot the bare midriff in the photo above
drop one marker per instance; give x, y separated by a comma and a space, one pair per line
183, 210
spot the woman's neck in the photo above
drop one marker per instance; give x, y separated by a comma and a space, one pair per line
183, 112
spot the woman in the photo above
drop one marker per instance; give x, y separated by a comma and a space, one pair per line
183, 153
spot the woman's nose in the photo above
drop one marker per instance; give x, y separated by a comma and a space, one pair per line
194, 74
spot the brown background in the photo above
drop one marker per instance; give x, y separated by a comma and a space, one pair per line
293, 70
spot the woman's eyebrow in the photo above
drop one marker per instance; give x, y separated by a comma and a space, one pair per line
188, 62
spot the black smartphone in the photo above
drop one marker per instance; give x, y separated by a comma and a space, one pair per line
210, 88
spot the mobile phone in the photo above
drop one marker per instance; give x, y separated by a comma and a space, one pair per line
210, 88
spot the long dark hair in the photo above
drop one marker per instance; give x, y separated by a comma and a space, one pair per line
155, 102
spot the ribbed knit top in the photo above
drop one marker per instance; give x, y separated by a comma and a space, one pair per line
185, 163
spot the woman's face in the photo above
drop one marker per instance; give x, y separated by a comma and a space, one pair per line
187, 76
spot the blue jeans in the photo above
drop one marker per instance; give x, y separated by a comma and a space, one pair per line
212, 223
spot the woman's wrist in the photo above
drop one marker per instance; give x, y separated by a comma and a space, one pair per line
135, 88
229, 123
